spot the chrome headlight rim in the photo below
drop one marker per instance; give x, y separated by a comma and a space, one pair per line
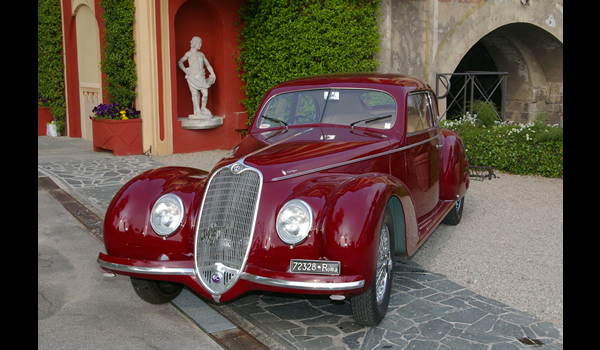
301, 214
173, 226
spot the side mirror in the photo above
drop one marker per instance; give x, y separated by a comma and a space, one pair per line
447, 85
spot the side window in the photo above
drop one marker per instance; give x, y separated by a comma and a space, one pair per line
418, 113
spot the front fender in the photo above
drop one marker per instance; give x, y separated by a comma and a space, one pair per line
127, 229
352, 223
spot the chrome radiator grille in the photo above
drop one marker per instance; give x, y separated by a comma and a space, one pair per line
226, 224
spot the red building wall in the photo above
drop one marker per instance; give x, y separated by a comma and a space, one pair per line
213, 21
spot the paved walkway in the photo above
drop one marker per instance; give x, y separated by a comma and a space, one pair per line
427, 311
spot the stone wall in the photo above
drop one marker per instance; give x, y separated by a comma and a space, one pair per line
524, 38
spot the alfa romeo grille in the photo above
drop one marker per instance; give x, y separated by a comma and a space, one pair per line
226, 225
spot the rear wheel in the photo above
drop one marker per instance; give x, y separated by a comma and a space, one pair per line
370, 307
455, 214
156, 292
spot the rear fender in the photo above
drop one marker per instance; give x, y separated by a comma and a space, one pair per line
454, 172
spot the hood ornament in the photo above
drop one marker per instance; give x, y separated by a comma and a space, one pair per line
236, 168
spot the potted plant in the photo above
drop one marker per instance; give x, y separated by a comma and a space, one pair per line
44, 115
117, 129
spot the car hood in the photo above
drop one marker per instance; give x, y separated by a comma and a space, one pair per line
289, 153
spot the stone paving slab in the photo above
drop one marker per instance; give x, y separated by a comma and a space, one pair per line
427, 311
99, 179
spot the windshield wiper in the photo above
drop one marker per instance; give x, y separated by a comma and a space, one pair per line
370, 120
276, 121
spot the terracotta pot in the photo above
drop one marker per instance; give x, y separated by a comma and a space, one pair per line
44, 117
123, 137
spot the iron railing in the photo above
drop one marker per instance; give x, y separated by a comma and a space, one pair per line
472, 88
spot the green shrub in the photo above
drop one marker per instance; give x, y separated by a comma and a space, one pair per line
118, 49
283, 40
524, 149
485, 113
50, 62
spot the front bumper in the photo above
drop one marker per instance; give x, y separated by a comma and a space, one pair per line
184, 272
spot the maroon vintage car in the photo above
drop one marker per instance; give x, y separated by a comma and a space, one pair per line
336, 175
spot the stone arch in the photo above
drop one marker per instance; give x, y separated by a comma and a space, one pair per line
530, 51
533, 59
88, 64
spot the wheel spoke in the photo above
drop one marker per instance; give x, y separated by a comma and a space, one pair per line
383, 257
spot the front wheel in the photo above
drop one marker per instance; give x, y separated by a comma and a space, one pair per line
156, 292
370, 307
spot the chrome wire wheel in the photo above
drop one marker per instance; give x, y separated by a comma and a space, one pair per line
459, 203
384, 263
369, 308
455, 214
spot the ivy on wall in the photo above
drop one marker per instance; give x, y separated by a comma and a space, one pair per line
283, 40
118, 50
51, 83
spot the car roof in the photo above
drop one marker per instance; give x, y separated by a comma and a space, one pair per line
354, 79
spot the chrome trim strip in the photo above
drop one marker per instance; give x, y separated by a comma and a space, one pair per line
326, 167
302, 285
146, 270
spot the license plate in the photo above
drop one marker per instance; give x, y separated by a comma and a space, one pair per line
318, 267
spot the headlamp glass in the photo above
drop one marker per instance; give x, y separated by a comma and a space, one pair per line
167, 214
294, 221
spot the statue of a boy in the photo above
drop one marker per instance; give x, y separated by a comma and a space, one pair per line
196, 76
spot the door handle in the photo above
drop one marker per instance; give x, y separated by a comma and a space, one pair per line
439, 146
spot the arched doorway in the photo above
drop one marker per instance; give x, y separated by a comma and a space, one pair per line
533, 59
88, 64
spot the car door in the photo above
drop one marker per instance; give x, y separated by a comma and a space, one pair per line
423, 163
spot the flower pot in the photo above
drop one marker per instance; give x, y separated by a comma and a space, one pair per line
122, 137
44, 117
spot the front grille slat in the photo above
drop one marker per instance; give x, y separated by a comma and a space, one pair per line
226, 224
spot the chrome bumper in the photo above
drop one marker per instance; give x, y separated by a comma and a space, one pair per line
146, 270
324, 286
329, 286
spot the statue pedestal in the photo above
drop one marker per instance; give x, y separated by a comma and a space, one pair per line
195, 121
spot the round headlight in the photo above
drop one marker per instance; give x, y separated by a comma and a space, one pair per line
294, 221
167, 214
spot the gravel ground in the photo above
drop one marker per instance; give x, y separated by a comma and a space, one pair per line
508, 246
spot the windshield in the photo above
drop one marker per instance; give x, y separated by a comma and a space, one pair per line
352, 107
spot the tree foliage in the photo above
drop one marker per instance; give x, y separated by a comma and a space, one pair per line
283, 40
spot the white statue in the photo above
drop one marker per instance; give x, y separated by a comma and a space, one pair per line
196, 77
